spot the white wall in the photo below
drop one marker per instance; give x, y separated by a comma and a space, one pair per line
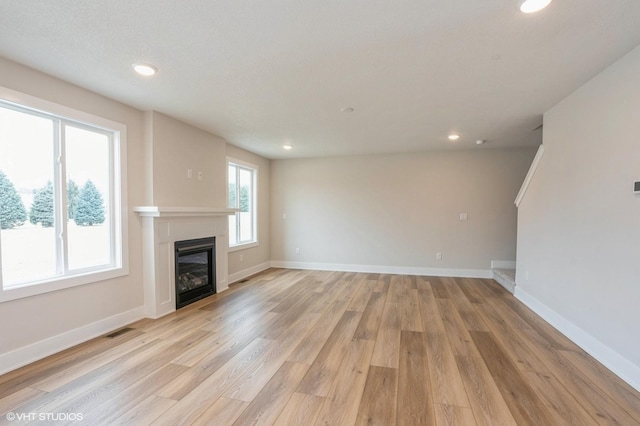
398, 210
579, 222
34, 319
254, 258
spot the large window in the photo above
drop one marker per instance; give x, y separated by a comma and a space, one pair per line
242, 184
61, 193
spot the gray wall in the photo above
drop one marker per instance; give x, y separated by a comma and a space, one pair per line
33, 319
579, 222
177, 147
398, 210
160, 149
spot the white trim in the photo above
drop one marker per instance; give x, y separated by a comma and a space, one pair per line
508, 285
242, 163
503, 264
157, 211
27, 354
244, 246
615, 362
49, 108
255, 171
378, 269
59, 283
529, 177
240, 275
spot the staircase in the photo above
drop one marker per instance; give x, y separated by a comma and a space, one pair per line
506, 278
504, 273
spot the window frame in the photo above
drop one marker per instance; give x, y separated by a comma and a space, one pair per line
254, 168
117, 133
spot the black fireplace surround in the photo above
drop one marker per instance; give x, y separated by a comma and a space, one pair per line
195, 270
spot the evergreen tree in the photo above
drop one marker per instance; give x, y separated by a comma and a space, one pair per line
232, 195
12, 211
243, 205
42, 207
244, 198
90, 209
73, 194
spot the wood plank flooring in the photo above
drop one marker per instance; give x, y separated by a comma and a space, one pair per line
291, 347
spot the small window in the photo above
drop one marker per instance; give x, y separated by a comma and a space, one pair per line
61, 195
242, 184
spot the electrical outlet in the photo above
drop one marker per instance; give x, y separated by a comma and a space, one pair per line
297, 250
200, 175
438, 256
189, 174
463, 217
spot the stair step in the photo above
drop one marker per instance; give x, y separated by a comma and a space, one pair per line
506, 278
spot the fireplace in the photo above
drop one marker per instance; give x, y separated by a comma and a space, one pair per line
195, 270
162, 227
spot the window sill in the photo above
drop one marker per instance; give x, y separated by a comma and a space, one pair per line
55, 284
243, 246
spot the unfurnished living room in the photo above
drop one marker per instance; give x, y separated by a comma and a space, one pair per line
320, 212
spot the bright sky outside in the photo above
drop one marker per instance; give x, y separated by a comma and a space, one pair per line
27, 158
26, 153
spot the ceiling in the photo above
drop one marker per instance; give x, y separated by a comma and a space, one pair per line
261, 73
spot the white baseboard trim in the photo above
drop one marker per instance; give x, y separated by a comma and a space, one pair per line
222, 285
240, 275
509, 286
376, 269
615, 362
503, 264
27, 354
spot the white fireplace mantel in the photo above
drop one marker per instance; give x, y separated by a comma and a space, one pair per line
157, 211
161, 228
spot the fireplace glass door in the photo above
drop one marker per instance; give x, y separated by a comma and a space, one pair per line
195, 270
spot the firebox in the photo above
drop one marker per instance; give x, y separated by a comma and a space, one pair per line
195, 270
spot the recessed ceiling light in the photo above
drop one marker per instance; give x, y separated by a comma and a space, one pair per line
347, 109
288, 146
145, 69
480, 141
532, 6
453, 137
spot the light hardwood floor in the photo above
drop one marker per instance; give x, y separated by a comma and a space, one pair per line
306, 347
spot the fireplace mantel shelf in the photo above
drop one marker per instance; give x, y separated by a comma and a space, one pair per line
157, 211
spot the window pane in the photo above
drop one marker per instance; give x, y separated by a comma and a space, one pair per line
245, 205
245, 190
233, 203
233, 238
241, 196
233, 197
26, 197
88, 197
246, 227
